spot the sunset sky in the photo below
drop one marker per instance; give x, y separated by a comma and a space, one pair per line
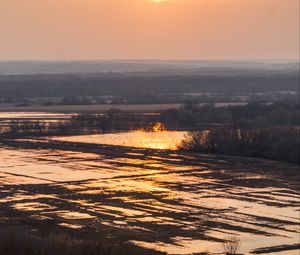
149, 29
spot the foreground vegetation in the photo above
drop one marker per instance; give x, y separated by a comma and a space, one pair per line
16, 241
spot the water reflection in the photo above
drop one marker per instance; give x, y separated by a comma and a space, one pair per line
173, 202
32, 115
152, 140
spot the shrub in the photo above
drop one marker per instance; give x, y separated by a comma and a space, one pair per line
272, 143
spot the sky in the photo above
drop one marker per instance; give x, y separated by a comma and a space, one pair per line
149, 29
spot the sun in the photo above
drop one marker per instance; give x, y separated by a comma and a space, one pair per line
159, 1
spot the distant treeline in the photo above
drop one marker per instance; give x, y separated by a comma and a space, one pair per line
281, 144
135, 85
115, 119
253, 114
189, 117
112, 120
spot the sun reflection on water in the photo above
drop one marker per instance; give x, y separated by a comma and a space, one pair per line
158, 138
143, 190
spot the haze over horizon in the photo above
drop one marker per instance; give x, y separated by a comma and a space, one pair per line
144, 29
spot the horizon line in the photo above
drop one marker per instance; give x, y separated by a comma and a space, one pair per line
157, 60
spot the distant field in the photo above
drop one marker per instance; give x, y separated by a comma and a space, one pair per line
86, 108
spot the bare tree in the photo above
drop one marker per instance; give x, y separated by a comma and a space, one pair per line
232, 245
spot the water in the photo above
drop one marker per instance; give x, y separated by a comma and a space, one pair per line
6, 118
151, 140
171, 201
32, 115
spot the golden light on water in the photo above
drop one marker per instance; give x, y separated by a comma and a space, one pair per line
160, 139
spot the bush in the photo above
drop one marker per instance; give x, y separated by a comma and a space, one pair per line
272, 143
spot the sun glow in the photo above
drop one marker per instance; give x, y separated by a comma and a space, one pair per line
159, 1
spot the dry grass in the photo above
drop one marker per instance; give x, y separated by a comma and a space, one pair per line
17, 241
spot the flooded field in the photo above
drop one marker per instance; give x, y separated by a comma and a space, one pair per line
176, 202
32, 115
152, 140
7, 118
12, 116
